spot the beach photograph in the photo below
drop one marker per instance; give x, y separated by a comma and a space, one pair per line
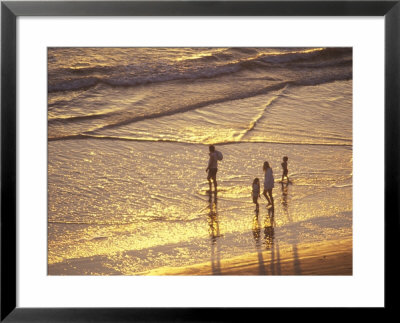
195, 161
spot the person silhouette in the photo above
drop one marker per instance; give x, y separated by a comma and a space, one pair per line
212, 168
268, 183
256, 191
285, 170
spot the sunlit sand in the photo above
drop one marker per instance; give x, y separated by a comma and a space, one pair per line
328, 258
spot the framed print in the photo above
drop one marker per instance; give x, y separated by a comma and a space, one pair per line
163, 158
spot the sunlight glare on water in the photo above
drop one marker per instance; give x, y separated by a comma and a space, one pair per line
129, 130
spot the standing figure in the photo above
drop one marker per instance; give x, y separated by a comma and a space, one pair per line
212, 168
268, 183
285, 169
256, 191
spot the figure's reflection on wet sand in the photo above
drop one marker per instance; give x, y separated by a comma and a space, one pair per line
270, 243
285, 207
257, 239
269, 229
214, 233
264, 235
284, 201
266, 242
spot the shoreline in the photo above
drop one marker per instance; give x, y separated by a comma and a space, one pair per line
333, 257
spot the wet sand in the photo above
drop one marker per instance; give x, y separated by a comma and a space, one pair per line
106, 220
327, 258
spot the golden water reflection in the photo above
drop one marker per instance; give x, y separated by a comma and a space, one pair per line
214, 233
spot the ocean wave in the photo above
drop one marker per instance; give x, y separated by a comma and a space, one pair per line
132, 80
74, 84
199, 68
321, 55
120, 118
322, 79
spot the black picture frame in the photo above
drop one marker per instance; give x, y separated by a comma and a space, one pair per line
11, 10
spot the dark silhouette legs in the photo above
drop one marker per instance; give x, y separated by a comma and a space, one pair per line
268, 195
212, 175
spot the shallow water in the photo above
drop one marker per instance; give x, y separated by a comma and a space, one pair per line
130, 199
128, 148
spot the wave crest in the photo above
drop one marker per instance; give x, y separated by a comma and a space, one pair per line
211, 66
